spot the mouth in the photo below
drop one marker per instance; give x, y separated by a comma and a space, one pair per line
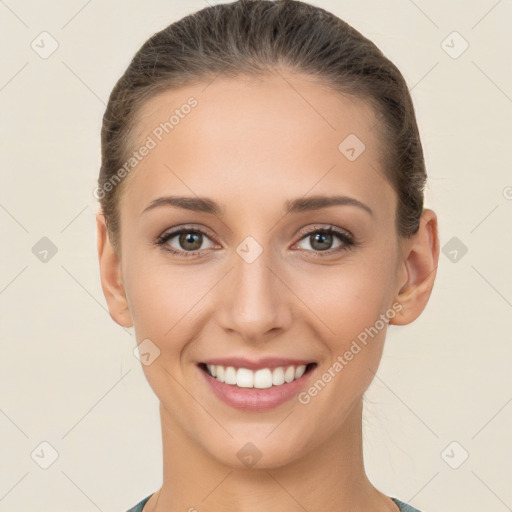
259, 388
262, 378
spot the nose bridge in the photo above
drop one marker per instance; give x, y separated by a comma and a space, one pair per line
254, 303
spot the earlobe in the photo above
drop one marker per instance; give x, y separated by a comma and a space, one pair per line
111, 276
420, 266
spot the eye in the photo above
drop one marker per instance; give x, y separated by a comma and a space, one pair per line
188, 241
324, 240
185, 242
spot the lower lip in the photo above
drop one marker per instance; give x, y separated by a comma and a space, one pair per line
254, 399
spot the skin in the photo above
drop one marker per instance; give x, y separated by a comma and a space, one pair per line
250, 145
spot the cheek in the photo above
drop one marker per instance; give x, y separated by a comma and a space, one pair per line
352, 303
157, 299
347, 299
352, 307
161, 305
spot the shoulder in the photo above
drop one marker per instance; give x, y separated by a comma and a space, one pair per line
140, 505
404, 507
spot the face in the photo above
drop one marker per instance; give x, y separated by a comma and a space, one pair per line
244, 269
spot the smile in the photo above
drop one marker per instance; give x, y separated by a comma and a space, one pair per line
259, 388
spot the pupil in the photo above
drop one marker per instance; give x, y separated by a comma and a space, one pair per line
186, 238
322, 237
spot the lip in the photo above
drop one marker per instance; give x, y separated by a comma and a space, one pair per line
257, 364
254, 399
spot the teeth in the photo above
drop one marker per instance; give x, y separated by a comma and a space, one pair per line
299, 371
244, 378
278, 377
289, 374
260, 379
230, 375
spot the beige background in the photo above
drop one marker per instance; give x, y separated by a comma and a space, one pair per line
68, 375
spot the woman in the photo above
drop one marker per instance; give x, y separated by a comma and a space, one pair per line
261, 224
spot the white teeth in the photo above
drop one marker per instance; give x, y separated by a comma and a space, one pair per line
299, 371
244, 378
263, 378
260, 379
289, 374
278, 377
230, 375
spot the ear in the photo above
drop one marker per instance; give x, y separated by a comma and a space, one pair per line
111, 277
419, 266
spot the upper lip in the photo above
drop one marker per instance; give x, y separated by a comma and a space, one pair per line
256, 364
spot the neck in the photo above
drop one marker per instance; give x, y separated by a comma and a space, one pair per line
330, 478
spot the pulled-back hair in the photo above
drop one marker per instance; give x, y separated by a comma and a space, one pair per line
253, 38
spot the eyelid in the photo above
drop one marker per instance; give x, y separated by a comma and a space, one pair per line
190, 227
324, 227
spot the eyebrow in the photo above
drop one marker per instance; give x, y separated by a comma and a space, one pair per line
302, 204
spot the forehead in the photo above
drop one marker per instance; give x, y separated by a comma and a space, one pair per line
281, 135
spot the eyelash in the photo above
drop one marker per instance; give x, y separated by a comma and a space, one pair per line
347, 240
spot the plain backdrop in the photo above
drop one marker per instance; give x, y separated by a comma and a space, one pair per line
438, 415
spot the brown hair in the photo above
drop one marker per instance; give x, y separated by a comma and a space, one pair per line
253, 37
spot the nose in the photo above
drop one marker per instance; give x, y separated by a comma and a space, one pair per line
255, 302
